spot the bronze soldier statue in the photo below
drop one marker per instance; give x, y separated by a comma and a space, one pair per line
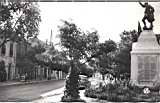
148, 14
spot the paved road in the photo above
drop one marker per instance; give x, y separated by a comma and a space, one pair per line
28, 92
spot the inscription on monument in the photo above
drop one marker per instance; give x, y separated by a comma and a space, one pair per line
146, 68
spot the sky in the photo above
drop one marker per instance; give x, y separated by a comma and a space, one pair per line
110, 19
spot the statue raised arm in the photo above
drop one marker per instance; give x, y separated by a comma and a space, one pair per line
148, 14
141, 4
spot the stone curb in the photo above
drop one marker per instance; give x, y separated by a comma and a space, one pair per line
31, 82
50, 98
55, 92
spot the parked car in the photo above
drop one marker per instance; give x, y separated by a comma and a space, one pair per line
83, 82
22, 78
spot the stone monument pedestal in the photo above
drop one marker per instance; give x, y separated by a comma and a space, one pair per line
145, 60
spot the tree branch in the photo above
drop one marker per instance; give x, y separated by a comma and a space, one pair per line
19, 17
5, 39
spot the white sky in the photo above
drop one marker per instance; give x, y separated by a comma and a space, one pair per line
109, 18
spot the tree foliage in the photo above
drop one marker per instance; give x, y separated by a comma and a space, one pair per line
106, 57
123, 57
58, 60
18, 20
29, 60
53, 59
77, 44
78, 47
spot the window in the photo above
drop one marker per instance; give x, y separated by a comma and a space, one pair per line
11, 50
3, 49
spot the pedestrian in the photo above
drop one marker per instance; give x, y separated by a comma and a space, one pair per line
26, 77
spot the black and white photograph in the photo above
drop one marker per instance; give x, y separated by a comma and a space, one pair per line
62, 51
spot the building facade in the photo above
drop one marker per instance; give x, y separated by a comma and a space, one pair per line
12, 53
8, 55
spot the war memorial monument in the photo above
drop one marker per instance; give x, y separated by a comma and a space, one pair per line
145, 54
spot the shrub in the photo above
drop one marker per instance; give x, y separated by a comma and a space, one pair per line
123, 98
136, 89
115, 93
111, 87
102, 96
155, 99
113, 97
155, 88
90, 93
107, 95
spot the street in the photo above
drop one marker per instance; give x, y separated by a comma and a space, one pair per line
28, 92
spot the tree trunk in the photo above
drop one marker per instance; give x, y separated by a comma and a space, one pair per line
72, 84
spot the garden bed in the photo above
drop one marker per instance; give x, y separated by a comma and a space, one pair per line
115, 93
